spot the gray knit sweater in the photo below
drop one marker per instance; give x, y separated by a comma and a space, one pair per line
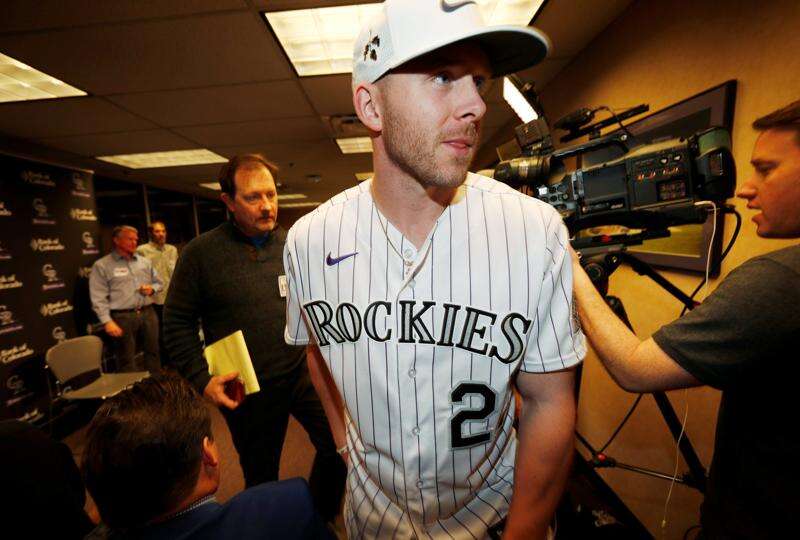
225, 283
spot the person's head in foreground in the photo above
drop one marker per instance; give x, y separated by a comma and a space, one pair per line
149, 453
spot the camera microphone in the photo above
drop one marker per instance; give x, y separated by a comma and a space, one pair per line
575, 120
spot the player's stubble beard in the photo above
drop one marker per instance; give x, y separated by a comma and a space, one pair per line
413, 148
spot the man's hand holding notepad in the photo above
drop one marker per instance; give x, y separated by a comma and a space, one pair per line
231, 370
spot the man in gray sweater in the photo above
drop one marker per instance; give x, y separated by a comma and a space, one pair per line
228, 279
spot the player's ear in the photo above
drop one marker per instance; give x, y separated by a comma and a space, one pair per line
367, 104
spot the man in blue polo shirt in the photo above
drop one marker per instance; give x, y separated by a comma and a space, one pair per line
121, 286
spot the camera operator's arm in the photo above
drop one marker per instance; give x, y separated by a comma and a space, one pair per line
635, 365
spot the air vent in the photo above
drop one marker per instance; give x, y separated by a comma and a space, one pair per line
346, 126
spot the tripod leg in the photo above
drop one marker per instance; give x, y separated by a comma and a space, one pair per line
609, 500
697, 472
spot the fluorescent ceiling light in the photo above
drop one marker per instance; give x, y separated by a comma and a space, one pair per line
21, 82
517, 101
290, 196
355, 145
308, 204
176, 158
320, 41
361, 176
211, 185
514, 12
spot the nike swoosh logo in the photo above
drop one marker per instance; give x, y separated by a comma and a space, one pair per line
452, 5
330, 261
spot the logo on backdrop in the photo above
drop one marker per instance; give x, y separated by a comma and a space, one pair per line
89, 247
4, 255
84, 272
15, 353
47, 244
52, 279
42, 217
15, 384
17, 391
79, 188
38, 178
59, 335
9, 282
5, 212
7, 322
82, 214
49, 309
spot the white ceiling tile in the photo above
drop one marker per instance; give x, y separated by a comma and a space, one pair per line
26, 15
68, 116
219, 104
226, 48
131, 142
260, 132
330, 95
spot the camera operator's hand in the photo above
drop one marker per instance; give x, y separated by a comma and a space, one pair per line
215, 391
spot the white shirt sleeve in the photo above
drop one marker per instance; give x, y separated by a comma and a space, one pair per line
556, 341
295, 332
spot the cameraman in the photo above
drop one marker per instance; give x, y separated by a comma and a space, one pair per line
741, 340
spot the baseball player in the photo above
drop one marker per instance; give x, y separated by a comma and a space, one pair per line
426, 294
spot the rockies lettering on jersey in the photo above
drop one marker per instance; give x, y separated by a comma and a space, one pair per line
345, 324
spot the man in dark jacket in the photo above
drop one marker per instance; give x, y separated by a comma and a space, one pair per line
229, 279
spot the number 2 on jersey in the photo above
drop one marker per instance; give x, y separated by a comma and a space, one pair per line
462, 391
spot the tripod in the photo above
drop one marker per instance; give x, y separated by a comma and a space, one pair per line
599, 268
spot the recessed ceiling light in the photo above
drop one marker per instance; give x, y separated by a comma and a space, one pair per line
21, 82
176, 158
290, 196
211, 185
320, 41
361, 176
517, 101
308, 204
355, 145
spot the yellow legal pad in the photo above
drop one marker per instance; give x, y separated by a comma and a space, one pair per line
230, 354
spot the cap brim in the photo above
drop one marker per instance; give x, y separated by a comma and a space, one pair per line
509, 48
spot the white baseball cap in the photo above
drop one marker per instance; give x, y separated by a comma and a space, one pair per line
406, 29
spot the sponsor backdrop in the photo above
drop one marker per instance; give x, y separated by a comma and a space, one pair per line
48, 242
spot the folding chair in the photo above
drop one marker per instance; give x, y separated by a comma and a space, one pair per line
73, 361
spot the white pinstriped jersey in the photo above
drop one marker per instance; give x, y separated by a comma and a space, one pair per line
423, 346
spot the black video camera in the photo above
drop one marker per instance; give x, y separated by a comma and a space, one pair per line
650, 187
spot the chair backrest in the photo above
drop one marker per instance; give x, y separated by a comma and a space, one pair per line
74, 356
